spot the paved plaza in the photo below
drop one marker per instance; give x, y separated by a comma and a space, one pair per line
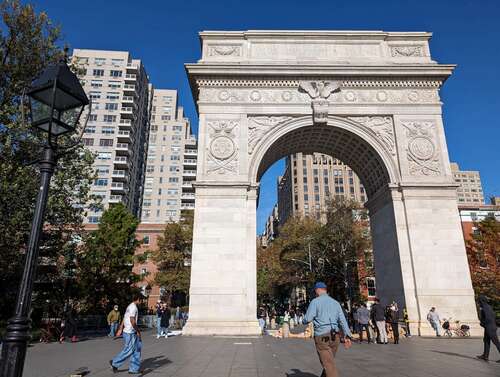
264, 357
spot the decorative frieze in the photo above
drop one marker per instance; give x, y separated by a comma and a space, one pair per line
421, 149
383, 128
407, 51
258, 126
222, 156
294, 96
224, 50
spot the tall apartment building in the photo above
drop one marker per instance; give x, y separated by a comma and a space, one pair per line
171, 161
310, 180
118, 126
470, 190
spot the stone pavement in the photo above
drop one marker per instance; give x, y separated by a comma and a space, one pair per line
264, 357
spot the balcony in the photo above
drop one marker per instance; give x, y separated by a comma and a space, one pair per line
130, 77
187, 205
189, 173
131, 66
128, 99
123, 135
190, 161
129, 89
190, 152
127, 109
120, 175
122, 148
186, 185
118, 186
115, 199
121, 161
187, 196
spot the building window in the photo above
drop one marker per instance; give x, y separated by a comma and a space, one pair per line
370, 283
173, 179
174, 158
109, 118
95, 95
306, 197
114, 73
96, 83
111, 106
165, 117
150, 168
146, 203
104, 156
93, 219
112, 96
88, 142
98, 72
171, 202
106, 142
90, 129
114, 84
101, 182
108, 130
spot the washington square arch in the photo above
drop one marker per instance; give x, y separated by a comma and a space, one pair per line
368, 98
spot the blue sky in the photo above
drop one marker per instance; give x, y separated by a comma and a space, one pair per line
164, 35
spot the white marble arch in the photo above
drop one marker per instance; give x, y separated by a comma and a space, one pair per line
370, 99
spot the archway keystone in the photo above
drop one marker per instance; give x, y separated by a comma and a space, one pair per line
370, 99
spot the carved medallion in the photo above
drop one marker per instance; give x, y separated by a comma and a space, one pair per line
222, 147
222, 156
422, 148
422, 153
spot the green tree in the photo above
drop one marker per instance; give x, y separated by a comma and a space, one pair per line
483, 252
173, 256
105, 261
298, 250
341, 240
27, 45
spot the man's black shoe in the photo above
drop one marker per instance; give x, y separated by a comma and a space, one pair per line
138, 372
113, 368
482, 357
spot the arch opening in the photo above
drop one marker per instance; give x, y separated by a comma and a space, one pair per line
334, 141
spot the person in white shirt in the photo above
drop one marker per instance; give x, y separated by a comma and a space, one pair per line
132, 343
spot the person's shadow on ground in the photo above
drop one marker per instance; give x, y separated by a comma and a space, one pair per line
299, 373
151, 364
456, 354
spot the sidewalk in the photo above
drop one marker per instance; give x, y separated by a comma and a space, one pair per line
264, 357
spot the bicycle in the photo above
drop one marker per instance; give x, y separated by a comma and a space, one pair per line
457, 330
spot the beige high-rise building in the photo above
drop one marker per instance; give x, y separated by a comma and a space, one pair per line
171, 161
118, 126
310, 180
470, 190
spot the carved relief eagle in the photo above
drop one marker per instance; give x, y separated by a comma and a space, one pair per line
320, 89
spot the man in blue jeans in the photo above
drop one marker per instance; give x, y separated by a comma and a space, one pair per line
132, 343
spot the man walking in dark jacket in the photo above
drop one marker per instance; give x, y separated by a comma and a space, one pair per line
487, 320
378, 313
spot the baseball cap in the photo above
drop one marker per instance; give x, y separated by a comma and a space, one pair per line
319, 284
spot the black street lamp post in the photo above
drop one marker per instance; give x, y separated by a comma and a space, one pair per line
57, 100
